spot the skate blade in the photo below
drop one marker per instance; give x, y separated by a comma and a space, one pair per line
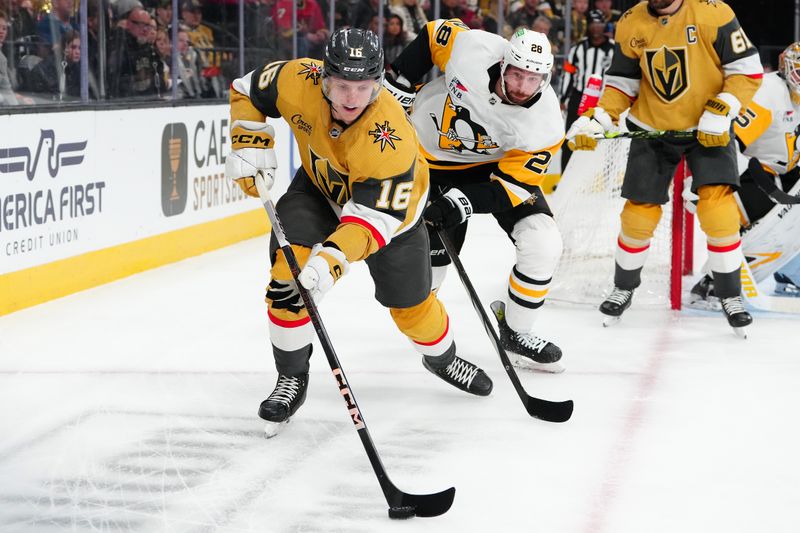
549, 368
740, 332
609, 321
272, 429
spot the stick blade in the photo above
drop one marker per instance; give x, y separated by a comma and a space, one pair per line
549, 411
425, 505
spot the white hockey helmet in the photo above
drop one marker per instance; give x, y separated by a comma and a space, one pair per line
789, 66
529, 50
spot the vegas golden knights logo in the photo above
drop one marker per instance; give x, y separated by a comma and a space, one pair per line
669, 73
174, 169
331, 183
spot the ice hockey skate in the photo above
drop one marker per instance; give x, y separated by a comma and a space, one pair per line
616, 304
285, 400
461, 374
702, 295
784, 286
530, 351
737, 316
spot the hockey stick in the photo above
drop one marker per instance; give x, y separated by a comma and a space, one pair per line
536, 407
644, 134
401, 504
766, 182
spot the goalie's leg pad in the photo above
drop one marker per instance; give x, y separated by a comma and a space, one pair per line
718, 214
539, 247
426, 325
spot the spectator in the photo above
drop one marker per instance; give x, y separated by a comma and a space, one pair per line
59, 75
7, 96
21, 31
610, 16
579, 9
363, 11
525, 15
312, 32
590, 56
52, 26
412, 15
395, 38
134, 68
456, 9
163, 48
164, 14
544, 25
201, 36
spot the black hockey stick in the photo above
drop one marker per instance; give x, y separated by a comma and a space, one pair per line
536, 407
645, 134
766, 182
401, 504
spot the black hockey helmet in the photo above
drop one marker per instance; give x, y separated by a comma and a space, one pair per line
353, 54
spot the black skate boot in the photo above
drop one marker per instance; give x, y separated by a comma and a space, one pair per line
531, 351
459, 373
616, 304
784, 286
738, 318
288, 396
703, 296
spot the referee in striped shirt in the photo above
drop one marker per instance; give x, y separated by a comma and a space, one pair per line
590, 55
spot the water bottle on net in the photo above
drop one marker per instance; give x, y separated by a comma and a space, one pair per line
591, 94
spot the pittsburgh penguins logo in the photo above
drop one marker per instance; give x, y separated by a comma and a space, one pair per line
669, 73
328, 180
458, 132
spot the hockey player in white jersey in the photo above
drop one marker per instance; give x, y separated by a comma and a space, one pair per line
489, 128
766, 133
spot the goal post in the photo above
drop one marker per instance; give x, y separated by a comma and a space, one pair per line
587, 203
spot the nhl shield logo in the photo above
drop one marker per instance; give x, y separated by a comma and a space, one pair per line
669, 73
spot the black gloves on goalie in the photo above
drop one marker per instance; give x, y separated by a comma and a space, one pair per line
449, 210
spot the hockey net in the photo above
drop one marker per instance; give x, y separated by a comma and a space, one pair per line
587, 205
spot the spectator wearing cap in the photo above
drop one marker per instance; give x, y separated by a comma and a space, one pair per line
201, 36
57, 22
610, 15
589, 56
134, 68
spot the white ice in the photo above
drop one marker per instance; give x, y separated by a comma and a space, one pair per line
132, 407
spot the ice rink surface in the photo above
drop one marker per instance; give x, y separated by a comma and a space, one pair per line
132, 407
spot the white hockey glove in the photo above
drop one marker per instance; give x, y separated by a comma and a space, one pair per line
324, 267
690, 199
593, 121
401, 89
252, 151
448, 210
715, 122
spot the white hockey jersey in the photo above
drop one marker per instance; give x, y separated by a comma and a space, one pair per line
461, 122
769, 126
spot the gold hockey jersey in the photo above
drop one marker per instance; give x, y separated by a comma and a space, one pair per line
371, 169
668, 66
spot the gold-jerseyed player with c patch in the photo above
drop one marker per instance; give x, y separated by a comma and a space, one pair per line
678, 65
358, 195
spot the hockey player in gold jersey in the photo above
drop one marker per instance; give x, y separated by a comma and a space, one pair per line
358, 195
678, 65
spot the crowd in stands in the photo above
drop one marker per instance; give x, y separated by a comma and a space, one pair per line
130, 42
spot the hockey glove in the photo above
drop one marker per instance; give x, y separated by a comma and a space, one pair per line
324, 267
252, 152
715, 122
401, 89
594, 121
449, 210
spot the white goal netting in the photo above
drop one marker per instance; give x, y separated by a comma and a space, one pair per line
587, 205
